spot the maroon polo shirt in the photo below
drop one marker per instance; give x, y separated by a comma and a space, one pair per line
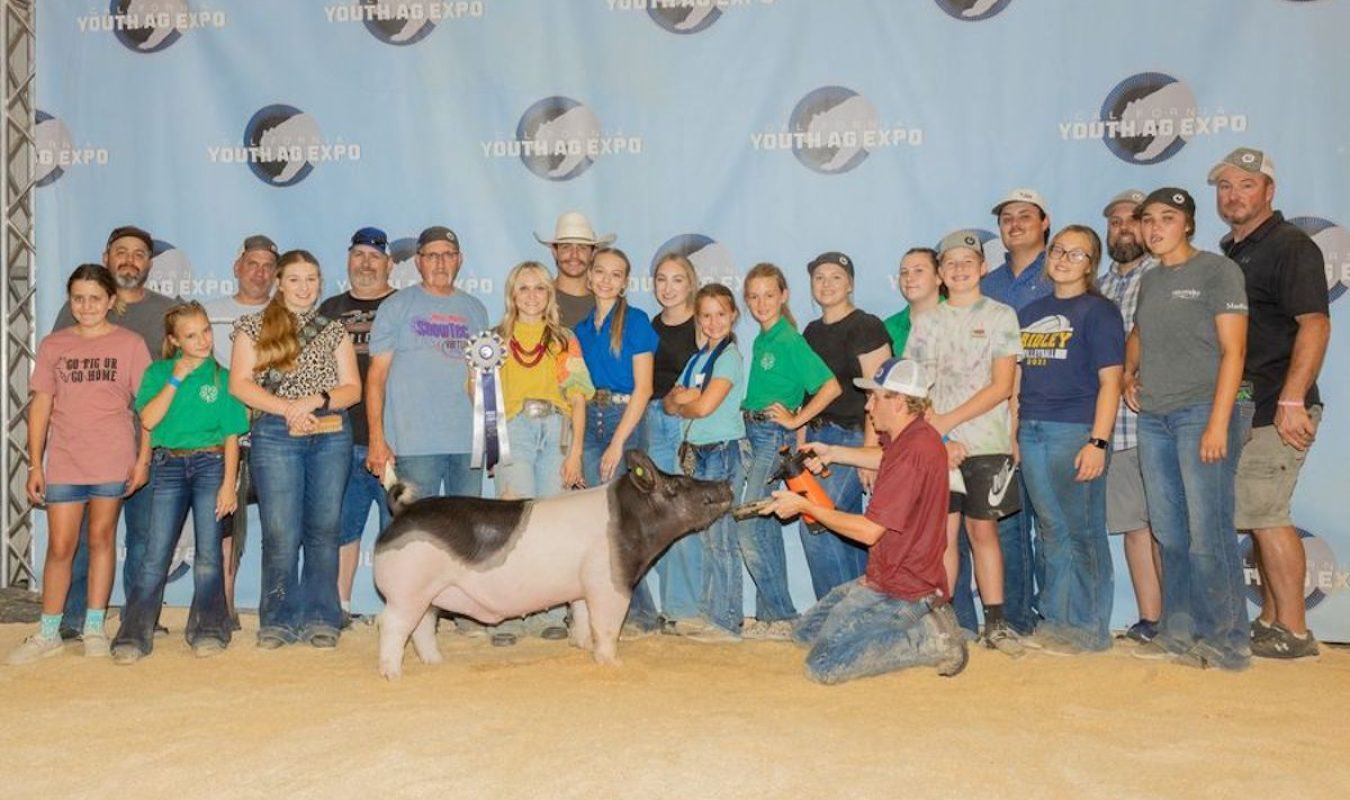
909, 499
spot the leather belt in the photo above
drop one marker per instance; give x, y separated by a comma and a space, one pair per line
604, 397
192, 451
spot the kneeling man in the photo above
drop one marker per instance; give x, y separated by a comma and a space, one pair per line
898, 614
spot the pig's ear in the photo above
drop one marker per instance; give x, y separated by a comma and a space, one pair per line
641, 469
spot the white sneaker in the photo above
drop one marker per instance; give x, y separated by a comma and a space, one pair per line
35, 647
95, 644
778, 631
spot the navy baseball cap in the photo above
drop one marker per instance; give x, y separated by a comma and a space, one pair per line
371, 237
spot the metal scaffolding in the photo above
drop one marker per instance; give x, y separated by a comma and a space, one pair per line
18, 259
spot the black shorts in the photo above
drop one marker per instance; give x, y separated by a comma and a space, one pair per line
992, 487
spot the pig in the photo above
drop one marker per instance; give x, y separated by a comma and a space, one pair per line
498, 559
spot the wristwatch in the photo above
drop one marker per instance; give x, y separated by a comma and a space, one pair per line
1100, 444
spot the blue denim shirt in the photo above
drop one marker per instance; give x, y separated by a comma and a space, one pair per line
1018, 291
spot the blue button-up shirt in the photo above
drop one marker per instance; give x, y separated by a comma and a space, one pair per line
1018, 291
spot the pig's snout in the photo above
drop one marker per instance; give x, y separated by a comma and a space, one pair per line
720, 497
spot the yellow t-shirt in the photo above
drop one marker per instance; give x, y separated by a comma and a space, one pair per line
557, 377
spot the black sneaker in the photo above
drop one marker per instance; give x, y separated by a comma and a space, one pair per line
1141, 632
1261, 629
1281, 643
71, 635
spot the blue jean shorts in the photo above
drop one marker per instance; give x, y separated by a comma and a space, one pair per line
83, 492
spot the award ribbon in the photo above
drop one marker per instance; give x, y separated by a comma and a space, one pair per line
485, 354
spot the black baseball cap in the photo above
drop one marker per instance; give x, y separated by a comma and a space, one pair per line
259, 241
437, 233
831, 257
1180, 199
123, 231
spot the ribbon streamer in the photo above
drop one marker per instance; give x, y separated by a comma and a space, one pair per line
485, 354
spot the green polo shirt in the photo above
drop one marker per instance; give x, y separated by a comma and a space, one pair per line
203, 411
783, 369
898, 326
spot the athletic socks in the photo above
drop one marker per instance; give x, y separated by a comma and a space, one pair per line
93, 620
50, 627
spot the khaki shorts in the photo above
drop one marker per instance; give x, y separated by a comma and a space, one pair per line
1266, 475
1126, 509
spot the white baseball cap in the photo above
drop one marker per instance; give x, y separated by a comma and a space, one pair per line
1023, 195
898, 375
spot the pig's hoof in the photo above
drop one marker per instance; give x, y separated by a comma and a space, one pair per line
432, 657
391, 672
584, 644
608, 660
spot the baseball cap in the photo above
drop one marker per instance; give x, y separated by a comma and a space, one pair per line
963, 238
258, 242
1180, 199
1133, 196
371, 237
899, 375
437, 233
831, 257
1022, 195
1247, 159
123, 231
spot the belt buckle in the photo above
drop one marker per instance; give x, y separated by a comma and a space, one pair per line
536, 409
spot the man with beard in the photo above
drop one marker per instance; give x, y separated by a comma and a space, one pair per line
255, 273
1126, 511
368, 268
127, 256
573, 245
1288, 330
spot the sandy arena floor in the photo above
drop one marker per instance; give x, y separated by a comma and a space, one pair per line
680, 719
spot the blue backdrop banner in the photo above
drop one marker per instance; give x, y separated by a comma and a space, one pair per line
735, 131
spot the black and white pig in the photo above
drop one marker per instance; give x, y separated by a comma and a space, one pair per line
497, 559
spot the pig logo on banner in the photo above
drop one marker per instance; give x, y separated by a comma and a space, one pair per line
170, 271
711, 259
278, 138
555, 135
1149, 109
831, 123
972, 10
147, 26
689, 19
1323, 573
1334, 242
54, 150
399, 23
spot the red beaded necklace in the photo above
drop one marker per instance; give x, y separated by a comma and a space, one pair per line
526, 358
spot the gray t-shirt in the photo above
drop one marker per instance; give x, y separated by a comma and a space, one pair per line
427, 408
222, 312
1179, 355
145, 318
572, 309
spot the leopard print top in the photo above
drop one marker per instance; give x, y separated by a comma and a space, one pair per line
316, 366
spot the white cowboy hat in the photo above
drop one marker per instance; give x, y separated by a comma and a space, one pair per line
574, 227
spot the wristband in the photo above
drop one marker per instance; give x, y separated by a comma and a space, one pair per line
1100, 444
327, 400
1292, 403
175, 381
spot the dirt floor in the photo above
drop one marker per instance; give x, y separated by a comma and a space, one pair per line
680, 719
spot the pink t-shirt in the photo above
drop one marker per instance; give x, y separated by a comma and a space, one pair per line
92, 437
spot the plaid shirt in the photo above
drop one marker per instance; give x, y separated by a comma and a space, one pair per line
1123, 290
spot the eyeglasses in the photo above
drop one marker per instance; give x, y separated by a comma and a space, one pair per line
434, 257
1073, 256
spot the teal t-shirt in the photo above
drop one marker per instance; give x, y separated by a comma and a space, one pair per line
724, 424
203, 412
783, 369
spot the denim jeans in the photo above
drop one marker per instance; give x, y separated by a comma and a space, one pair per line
536, 458
180, 484
856, 631
1075, 597
1190, 506
832, 559
441, 474
681, 566
723, 602
1021, 566
363, 490
300, 482
136, 524
601, 420
761, 538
